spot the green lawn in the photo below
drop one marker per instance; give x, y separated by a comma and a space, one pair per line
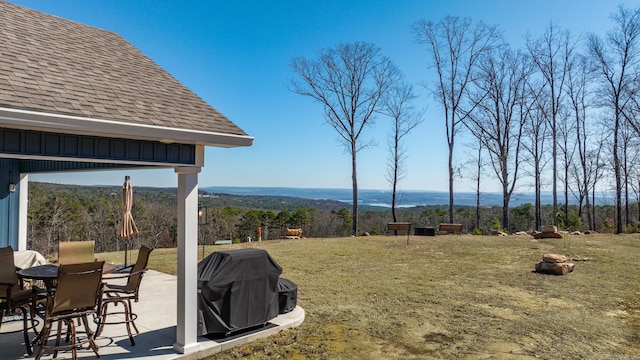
452, 296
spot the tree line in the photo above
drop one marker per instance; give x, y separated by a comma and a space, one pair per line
560, 111
69, 212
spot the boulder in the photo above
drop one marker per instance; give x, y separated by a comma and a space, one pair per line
548, 231
554, 258
554, 268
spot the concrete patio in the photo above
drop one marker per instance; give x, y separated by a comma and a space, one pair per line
157, 324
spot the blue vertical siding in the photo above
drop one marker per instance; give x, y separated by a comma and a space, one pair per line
9, 202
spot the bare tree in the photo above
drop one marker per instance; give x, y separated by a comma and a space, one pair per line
578, 93
478, 175
567, 146
156, 220
596, 167
499, 116
349, 81
397, 105
535, 138
615, 59
551, 54
455, 45
100, 220
634, 183
629, 144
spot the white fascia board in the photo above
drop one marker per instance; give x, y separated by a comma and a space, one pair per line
31, 120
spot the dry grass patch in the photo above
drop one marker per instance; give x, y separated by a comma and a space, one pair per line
453, 296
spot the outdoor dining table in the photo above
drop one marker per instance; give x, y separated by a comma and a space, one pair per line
48, 273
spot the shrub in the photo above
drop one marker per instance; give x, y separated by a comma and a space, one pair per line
574, 223
630, 229
496, 225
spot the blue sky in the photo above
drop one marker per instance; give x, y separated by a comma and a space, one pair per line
236, 55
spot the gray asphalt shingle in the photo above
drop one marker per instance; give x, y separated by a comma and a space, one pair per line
53, 65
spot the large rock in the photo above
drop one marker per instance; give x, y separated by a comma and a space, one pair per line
549, 228
554, 258
554, 268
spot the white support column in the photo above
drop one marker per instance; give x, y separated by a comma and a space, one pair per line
186, 337
23, 206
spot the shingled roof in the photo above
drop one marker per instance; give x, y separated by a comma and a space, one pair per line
67, 72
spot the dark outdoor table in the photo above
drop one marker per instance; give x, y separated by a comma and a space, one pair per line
45, 273
49, 273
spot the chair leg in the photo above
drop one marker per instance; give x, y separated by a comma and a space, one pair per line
25, 326
131, 317
127, 317
102, 318
44, 336
90, 335
55, 351
74, 348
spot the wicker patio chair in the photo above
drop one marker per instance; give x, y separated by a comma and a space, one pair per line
115, 294
77, 295
13, 295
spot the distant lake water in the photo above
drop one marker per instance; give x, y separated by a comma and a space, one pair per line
408, 198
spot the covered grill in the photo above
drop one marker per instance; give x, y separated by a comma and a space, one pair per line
237, 289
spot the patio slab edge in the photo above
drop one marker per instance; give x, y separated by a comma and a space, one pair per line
210, 347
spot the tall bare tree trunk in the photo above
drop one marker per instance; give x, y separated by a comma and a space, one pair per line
455, 46
616, 165
349, 81
397, 105
478, 175
551, 55
616, 62
451, 177
354, 182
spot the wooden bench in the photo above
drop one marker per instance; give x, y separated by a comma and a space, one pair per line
399, 226
293, 233
450, 228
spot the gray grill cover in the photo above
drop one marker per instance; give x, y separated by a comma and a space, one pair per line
237, 289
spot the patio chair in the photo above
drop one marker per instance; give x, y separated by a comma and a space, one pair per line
13, 295
77, 295
74, 252
115, 294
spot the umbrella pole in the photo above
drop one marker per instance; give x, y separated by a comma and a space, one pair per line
125, 252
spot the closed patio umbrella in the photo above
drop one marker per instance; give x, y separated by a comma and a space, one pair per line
127, 227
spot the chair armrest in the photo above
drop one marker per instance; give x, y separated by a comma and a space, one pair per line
124, 270
113, 276
8, 284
